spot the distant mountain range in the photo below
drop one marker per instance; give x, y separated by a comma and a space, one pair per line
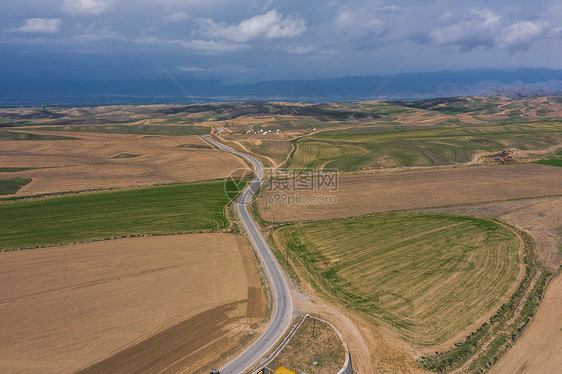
408, 86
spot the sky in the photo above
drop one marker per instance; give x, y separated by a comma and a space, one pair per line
251, 40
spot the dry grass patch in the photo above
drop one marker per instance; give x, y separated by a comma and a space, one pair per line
314, 342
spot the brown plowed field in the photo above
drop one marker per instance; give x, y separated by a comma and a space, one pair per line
181, 300
93, 161
363, 194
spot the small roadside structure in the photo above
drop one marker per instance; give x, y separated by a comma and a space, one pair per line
315, 345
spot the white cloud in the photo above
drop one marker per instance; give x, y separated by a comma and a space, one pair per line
92, 34
88, 7
300, 50
485, 28
207, 46
190, 69
270, 25
478, 28
521, 34
176, 17
347, 18
40, 25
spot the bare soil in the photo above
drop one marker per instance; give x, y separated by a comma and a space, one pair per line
184, 301
360, 194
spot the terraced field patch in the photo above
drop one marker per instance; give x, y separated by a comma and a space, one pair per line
429, 277
317, 154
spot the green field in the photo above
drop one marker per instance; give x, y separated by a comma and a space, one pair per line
133, 129
10, 186
389, 145
156, 210
316, 154
195, 146
9, 169
10, 135
125, 155
427, 276
554, 160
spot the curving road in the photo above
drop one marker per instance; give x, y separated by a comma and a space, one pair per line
283, 305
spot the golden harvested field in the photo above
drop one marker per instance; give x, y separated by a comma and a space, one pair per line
429, 277
540, 348
183, 301
360, 194
113, 160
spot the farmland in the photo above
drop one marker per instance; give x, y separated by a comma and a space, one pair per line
96, 216
95, 161
10, 186
132, 129
376, 147
359, 194
417, 260
538, 351
533, 351
20, 135
355, 136
379, 135
429, 277
554, 160
316, 154
184, 300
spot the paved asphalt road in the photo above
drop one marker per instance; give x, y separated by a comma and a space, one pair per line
283, 306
